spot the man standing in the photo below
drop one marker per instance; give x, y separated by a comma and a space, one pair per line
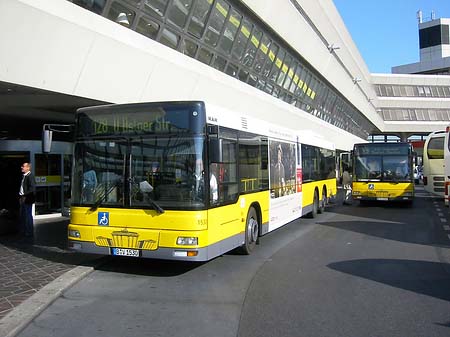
347, 185
26, 200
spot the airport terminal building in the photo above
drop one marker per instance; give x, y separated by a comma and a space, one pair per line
265, 57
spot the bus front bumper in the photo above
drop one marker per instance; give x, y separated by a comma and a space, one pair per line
197, 254
383, 198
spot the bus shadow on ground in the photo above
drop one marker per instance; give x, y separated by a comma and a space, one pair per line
147, 267
422, 277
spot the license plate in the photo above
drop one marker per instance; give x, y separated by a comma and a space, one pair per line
383, 199
125, 252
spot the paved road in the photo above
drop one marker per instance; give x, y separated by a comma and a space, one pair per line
378, 270
369, 271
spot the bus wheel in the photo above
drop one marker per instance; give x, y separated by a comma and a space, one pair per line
251, 232
315, 206
323, 203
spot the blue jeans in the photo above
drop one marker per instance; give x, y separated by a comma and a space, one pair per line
26, 219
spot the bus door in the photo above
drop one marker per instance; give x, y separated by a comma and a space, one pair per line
345, 161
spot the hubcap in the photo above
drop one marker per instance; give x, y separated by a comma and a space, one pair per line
252, 230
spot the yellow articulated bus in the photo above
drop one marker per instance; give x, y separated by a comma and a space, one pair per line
174, 180
383, 171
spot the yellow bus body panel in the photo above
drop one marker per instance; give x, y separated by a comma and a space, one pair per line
378, 190
329, 185
146, 229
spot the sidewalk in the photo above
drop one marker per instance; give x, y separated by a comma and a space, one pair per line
29, 265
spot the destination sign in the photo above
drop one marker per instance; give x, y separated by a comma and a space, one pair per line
382, 149
116, 122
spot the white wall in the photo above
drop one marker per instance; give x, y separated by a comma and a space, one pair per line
61, 47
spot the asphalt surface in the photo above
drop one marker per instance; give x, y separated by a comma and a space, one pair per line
34, 272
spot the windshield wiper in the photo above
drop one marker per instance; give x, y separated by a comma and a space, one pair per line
103, 197
155, 206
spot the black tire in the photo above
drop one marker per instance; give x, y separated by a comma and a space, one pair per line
315, 206
251, 232
321, 209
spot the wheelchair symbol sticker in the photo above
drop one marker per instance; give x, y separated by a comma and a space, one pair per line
371, 186
103, 218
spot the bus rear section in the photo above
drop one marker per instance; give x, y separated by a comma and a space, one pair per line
383, 172
318, 177
433, 163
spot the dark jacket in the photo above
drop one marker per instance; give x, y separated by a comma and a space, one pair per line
29, 189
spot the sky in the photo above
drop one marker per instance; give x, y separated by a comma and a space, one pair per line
386, 31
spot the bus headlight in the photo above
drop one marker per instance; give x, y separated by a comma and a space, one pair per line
74, 233
356, 192
187, 241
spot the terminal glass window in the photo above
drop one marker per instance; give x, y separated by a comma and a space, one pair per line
219, 63
252, 47
252, 80
199, 17
231, 70
284, 70
241, 39
48, 183
271, 56
121, 14
179, 12
205, 56
169, 38
288, 82
148, 28
156, 7
262, 54
189, 48
243, 75
95, 6
277, 65
230, 31
216, 22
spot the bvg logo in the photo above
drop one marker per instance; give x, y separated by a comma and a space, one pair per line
103, 218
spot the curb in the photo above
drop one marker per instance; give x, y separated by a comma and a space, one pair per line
15, 321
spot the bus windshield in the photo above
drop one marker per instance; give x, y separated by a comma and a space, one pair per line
383, 163
383, 168
159, 171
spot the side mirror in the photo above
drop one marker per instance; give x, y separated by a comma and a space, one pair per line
47, 136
